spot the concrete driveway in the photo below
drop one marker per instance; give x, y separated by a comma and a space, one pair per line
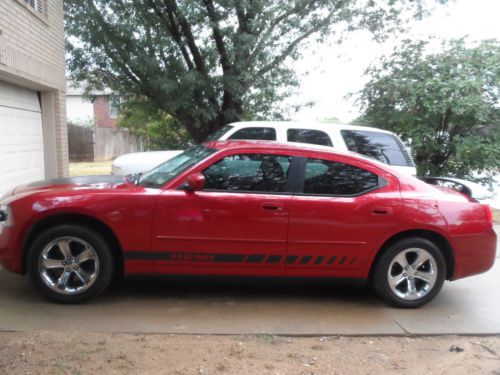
468, 306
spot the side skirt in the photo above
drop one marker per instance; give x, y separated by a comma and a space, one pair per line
250, 280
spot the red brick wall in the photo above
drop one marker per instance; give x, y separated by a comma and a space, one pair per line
101, 113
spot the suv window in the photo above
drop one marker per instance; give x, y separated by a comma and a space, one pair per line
315, 137
248, 172
325, 177
381, 146
264, 134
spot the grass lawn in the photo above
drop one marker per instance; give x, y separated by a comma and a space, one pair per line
90, 169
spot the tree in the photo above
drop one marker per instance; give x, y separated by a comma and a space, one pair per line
331, 120
210, 62
157, 129
445, 105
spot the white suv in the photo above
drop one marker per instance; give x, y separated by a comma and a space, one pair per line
379, 144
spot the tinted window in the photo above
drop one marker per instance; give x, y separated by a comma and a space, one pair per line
332, 178
266, 134
381, 146
315, 137
219, 133
248, 172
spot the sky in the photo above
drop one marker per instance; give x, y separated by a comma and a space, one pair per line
334, 72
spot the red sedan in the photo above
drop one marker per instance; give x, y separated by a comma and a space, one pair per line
246, 208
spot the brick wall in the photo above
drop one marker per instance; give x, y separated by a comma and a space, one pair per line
101, 113
32, 55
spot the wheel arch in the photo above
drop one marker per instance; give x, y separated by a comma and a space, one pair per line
77, 219
438, 239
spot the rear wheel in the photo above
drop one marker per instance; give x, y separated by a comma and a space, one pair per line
70, 263
410, 273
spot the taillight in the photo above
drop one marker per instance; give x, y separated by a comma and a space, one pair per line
489, 215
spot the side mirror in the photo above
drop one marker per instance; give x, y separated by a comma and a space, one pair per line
196, 182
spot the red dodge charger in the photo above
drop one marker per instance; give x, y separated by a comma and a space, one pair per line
248, 208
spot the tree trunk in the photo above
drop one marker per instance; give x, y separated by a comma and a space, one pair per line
233, 112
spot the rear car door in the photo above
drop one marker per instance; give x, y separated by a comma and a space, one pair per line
338, 215
236, 225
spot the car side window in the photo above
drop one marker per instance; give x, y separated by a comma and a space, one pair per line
264, 134
315, 137
380, 146
248, 172
324, 177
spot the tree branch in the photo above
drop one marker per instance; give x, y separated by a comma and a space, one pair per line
297, 9
172, 9
281, 57
173, 30
219, 41
125, 66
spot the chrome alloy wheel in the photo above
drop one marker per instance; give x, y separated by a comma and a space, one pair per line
68, 265
412, 274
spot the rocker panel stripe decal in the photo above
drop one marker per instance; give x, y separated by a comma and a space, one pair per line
305, 260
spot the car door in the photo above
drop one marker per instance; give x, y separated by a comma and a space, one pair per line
236, 225
338, 216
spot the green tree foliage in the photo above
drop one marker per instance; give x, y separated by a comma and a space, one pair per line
157, 129
446, 105
210, 62
332, 120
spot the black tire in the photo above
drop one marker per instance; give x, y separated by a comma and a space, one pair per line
389, 261
101, 252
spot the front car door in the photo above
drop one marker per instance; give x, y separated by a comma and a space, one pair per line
339, 213
236, 225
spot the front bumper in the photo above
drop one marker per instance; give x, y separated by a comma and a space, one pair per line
8, 258
474, 253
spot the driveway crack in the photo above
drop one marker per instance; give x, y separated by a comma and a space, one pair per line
403, 328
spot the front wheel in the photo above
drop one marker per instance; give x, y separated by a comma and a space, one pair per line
70, 264
410, 273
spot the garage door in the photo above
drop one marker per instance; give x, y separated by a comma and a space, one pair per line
21, 138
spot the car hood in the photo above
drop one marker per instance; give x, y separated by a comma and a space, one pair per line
140, 162
71, 183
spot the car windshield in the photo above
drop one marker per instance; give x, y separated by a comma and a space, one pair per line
219, 133
166, 171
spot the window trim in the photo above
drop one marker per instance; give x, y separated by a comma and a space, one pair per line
112, 104
287, 193
41, 16
299, 186
290, 182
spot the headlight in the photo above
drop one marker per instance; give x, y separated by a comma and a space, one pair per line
6, 218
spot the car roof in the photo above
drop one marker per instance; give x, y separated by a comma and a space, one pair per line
291, 146
305, 125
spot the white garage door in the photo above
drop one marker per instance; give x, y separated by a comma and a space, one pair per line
21, 138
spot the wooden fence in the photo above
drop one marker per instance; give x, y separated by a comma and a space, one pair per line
80, 143
100, 144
